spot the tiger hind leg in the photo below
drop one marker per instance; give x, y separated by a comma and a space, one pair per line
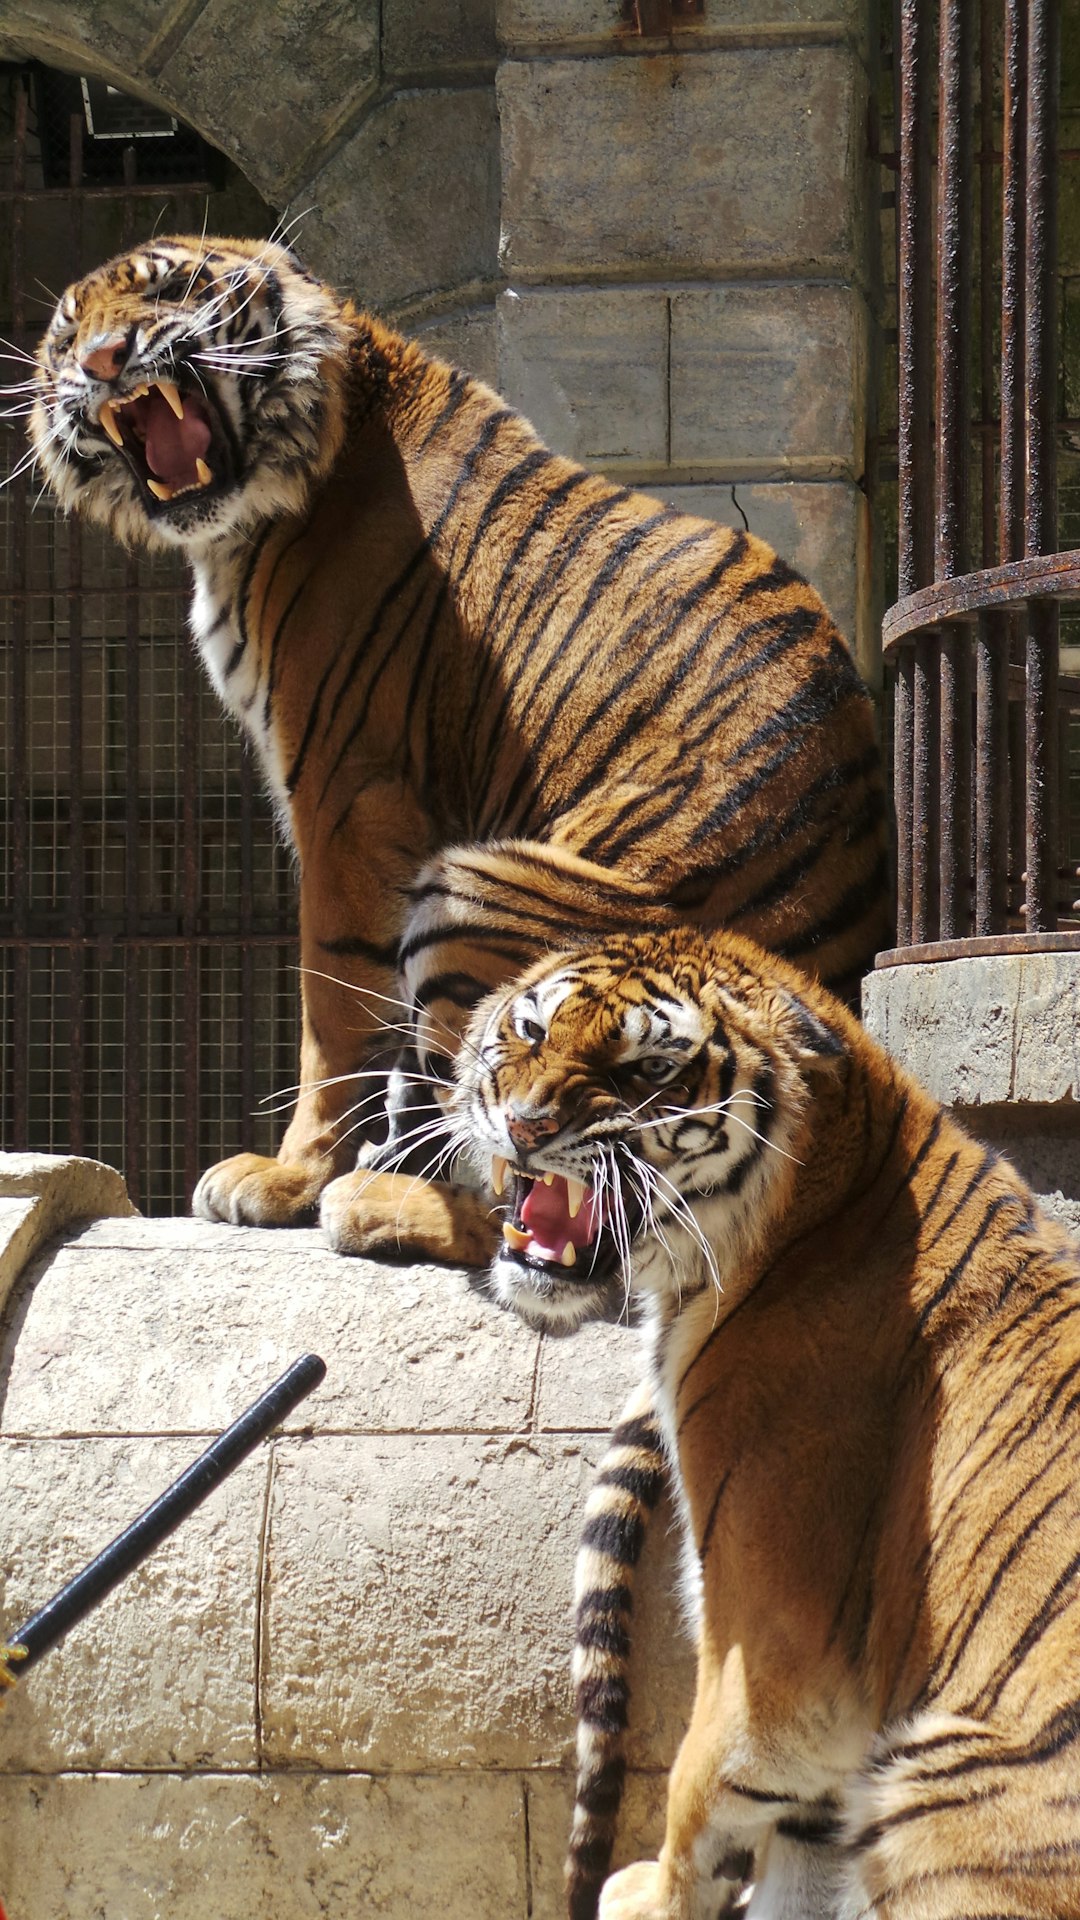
954, 1820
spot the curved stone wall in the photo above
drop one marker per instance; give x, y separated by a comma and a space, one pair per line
342, 1686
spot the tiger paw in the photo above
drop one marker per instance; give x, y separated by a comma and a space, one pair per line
636, 1893
251, 1191
394, 1213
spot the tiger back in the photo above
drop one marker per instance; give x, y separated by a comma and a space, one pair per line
863, 1368
498, 701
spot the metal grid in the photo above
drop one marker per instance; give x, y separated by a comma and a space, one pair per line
148, 992
986, 732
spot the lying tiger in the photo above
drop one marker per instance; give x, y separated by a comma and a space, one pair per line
496, 698
865, 1357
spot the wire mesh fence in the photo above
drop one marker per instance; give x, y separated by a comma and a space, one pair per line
148, 988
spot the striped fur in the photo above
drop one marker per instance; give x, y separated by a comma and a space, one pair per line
864, 1342
499, 702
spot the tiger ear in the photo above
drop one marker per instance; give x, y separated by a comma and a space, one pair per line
818, 1047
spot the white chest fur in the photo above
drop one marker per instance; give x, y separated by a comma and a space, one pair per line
232, 659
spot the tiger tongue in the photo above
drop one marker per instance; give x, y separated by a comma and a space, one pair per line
546, 1214
173, 446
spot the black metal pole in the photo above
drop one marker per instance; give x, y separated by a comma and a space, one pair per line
46, 1628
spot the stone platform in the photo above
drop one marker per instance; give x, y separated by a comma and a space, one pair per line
341, 1688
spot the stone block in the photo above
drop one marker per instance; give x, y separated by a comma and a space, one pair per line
770, 380
41, 1193
465, 337
984, 1030
419, 1602
440, 35
585, 1380
601, 24
820, 528
154, 1847
162, 1673
179, 1325
589, 368
658, 165
551, 1800
409, 206
303, 62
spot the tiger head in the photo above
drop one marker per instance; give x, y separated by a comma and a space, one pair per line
641, 1105
189, 389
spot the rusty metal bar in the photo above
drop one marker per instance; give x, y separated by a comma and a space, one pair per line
110, 943
903, 762
247, 950
1067, 941
133, 1051
76, 1037
952, 452
19, 681
1040, 489
1055, 575
915, 293
189, 737
915, 723
992, 640
924, 811
1014, 147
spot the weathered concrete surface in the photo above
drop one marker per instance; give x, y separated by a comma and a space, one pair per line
214, 1847
984, 1030
586, 145
163, 1673
589, 23
336, 1689
996, 1038
40, 1193
754, 380
409, 206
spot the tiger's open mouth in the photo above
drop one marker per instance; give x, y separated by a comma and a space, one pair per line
556, 1225
175, 443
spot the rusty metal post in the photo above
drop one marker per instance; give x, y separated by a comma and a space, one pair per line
76, 798
992, 641
1040, 480
20, 683
916, 740
955, 203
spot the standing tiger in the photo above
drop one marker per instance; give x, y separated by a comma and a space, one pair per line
865, 1363
496, 698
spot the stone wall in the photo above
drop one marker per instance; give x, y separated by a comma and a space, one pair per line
342, 1687
996, 1037
658, 247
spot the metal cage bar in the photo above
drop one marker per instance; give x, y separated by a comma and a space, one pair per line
147, 920
980, 853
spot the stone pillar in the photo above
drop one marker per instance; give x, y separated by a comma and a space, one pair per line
997, 1039
685, 236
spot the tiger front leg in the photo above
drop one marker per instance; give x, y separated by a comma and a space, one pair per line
341, 1089
351, 910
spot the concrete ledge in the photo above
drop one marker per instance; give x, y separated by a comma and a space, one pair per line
40, 1193
997, 1038
983, 1030
342, 1687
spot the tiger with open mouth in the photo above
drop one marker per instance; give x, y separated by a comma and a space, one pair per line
497, 699
863, 1343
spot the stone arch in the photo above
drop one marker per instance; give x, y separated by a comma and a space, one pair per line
378, 123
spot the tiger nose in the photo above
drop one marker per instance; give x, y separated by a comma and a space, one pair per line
527, 1129
105, 356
